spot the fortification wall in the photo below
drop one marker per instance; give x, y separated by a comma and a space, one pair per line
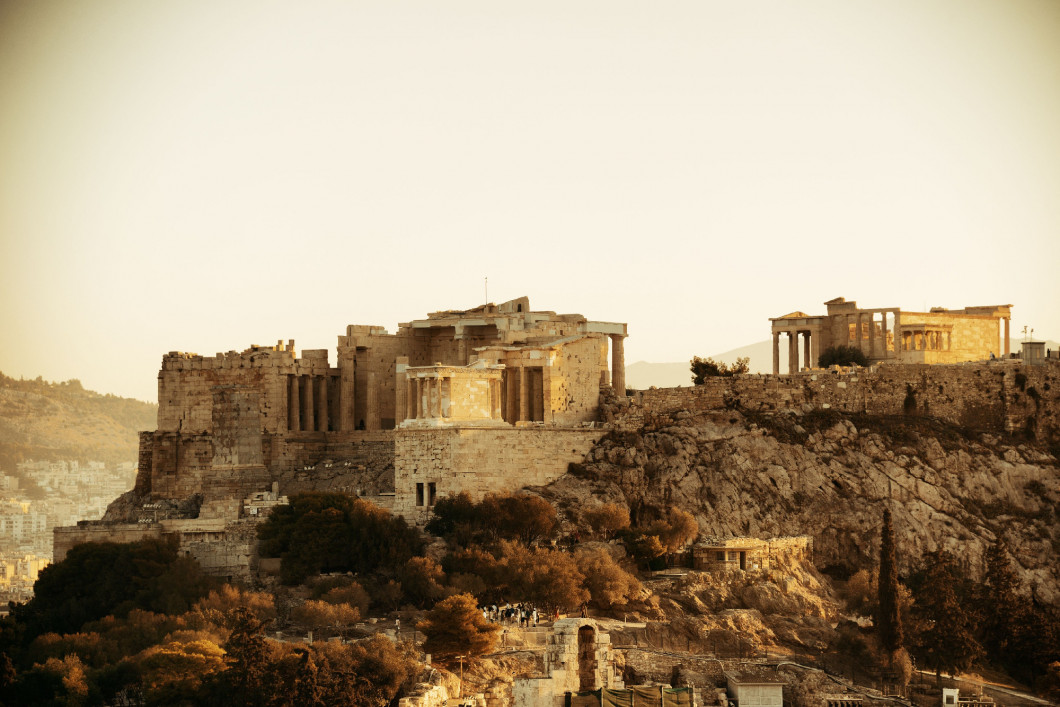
481, 461
223, 548
1002, 396
178, 466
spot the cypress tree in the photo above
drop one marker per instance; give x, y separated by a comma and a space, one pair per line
890, 620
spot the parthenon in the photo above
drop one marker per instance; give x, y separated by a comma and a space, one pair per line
888, 334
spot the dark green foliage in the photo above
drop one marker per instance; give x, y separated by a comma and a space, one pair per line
1018, 634
890, 620
97, 579
332, 532
842, 356
704, 368
520, 517
943, 594
244, 682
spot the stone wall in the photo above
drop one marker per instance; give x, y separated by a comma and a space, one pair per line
482, 460
1002, 396
223, 548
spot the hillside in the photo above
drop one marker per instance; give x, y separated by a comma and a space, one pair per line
829, 475
51, 421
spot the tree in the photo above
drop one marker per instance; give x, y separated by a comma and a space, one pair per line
1003, 610
456, 627
455, 517
320, 614
523, 517
605, 580
842, 356
941, 593
322, 532
607, 519
422, 581
306, 689
247, 660
703, 368
890, 619
542, 576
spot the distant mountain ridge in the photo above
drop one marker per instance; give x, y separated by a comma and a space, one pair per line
43, 420
643, 374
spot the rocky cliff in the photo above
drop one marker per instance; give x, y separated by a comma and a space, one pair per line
830, 474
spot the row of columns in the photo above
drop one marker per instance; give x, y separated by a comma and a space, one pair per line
810, 350
872, 345
523, 400
307, 403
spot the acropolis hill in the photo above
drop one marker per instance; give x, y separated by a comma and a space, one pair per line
501, 397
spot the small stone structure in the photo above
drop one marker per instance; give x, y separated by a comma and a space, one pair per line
951, 697
734, 554
889, 334
755, 688
578, 658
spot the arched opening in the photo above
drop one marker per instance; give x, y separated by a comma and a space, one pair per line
586, 658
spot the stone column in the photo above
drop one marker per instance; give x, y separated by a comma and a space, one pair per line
410, 399
815, 348
511, 394
898, 334
308, 423
872, 335
294, 420
883, 334
806, 350
1007, 344
793, 352
524, 395
347, 378
419, 399
605, 375
495, 399
322, 403
776, 353
618, 365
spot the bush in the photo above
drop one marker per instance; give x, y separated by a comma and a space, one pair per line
607, 519
842, 356
703, 368
456, 627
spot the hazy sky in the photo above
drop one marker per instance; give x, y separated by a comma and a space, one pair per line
203, 176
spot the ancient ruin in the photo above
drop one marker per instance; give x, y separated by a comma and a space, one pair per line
489, 399
888, 334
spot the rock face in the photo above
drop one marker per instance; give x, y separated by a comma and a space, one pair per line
830, 475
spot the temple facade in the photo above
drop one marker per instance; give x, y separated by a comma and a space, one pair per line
889, 334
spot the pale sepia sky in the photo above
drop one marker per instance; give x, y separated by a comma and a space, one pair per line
202, 176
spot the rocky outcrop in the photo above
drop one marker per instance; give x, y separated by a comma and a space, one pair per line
830, 475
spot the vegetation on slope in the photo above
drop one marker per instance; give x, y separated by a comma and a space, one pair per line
42, 420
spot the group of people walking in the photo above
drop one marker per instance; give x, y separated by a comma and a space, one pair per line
522, 615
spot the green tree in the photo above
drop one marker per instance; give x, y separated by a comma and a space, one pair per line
542, 576
892, 637
842, 356
456, 627
704, 368
322, 532
247, 661
307, 691
942, 593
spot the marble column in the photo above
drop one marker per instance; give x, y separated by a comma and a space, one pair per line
294, 419
618, 365
322, 403
793, 352
807, 362
524, 395
308, 422
776, 353
1007, 343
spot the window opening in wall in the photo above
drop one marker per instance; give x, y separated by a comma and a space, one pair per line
432, 493
419, 494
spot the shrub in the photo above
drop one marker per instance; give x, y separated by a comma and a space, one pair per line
703, 368
456, 627
842, 356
